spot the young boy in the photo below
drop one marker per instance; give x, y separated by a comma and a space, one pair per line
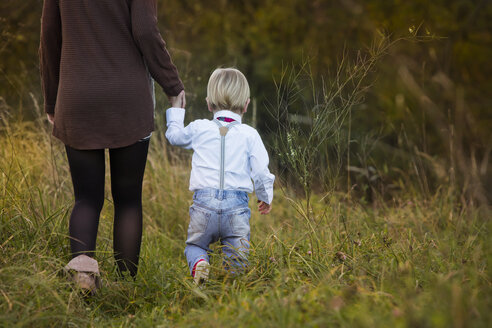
227, 156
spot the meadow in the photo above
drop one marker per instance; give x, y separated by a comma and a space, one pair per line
376, 116
411, 261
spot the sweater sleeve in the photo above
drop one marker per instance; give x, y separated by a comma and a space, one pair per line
152, 46
50, 53
261, 176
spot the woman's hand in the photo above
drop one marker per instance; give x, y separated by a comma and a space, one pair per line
264, 208
178, 101
51, 118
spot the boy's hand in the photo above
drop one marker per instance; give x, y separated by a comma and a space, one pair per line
264, 208
51, 118
178, 101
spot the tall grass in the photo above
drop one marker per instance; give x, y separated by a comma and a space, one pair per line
414, 262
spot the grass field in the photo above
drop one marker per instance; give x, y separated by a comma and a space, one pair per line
412, 262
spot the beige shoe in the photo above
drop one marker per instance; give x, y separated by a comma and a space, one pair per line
84, 271
202, 269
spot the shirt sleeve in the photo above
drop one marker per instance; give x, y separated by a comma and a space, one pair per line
50, 53
152, 46
261, 176
177, 133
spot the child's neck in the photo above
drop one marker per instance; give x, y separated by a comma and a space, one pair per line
216, 111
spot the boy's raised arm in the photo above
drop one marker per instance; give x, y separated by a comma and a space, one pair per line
260, 174
177, 133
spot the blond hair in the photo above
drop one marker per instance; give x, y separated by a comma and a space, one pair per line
227, 89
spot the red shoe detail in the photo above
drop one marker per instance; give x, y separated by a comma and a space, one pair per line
194, 267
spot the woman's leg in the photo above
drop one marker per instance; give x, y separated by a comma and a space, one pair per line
87, 170
127, 171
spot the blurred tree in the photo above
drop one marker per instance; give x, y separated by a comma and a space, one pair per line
422, 89
19, 39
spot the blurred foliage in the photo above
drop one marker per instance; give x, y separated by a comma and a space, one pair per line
427, 112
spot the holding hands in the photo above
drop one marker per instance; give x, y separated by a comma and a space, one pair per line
178, 101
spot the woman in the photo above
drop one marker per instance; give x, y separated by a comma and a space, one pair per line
95, 60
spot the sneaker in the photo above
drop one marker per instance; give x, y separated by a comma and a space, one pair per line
200, 272
86, 282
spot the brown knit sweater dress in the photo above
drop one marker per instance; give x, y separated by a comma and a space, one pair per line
95, 59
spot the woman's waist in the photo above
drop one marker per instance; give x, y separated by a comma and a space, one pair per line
108, 92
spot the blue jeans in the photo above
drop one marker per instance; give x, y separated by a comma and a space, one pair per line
219, 215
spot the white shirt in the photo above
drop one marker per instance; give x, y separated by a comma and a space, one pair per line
246, 158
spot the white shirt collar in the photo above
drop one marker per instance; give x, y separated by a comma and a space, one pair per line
229, 114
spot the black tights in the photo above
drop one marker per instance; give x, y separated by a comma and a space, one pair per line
127, 171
